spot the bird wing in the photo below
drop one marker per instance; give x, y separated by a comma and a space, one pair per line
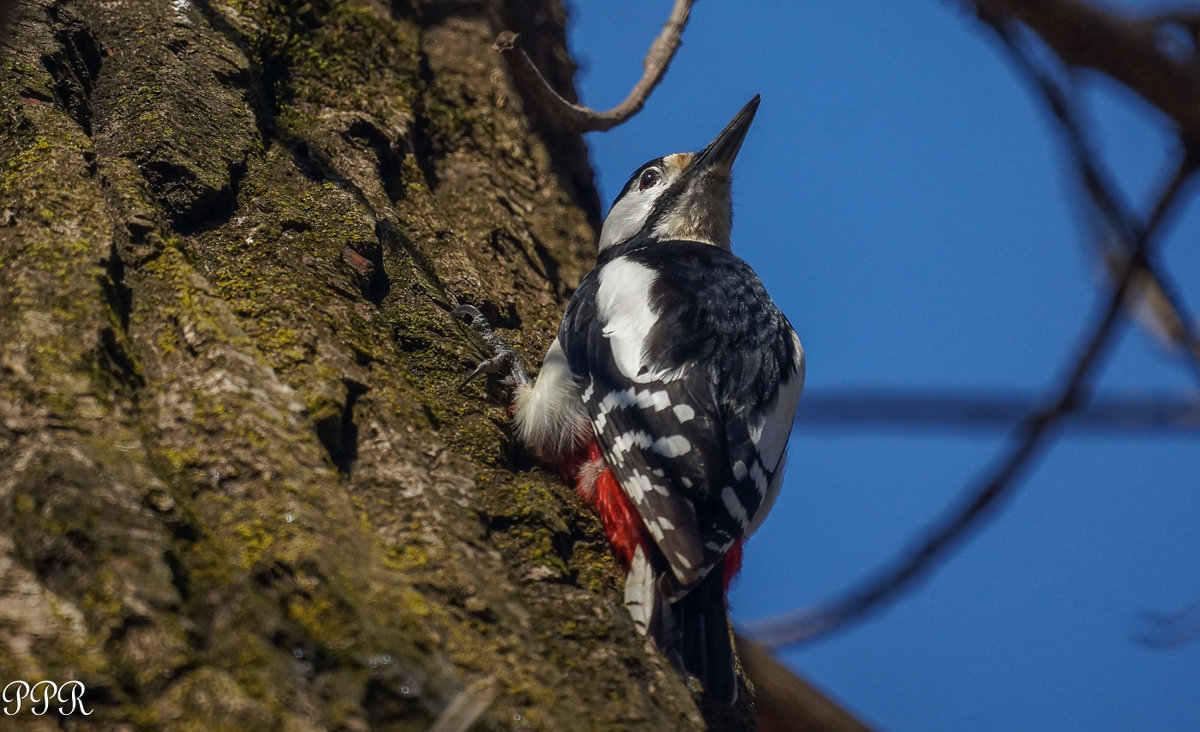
676, 370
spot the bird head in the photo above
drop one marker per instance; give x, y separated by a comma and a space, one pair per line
684, 196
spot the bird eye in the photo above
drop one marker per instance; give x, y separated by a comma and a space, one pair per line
649, 178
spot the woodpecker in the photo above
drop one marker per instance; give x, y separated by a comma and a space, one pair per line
668, 396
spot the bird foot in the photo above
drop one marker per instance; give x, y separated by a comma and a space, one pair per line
504, 361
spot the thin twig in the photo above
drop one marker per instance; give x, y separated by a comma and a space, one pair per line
810, 623
585, 119
1151, 283
1158, 290
1030, 436
1170, 630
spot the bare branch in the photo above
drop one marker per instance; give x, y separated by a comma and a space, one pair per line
1154, 287
584, 119
1031, 435
1121, 414
785, 701
1151, 285
1124, 49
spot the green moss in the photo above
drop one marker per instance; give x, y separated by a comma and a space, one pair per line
412, 177
254, 540
246, 335
23, 503
405, 558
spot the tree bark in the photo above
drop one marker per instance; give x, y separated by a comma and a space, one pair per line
240, 488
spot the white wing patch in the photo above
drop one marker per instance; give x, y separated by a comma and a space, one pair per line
685, 560
759, 477
734, 506
672, 446
625, 313
660, 400
636, 486
628, 440
624, 398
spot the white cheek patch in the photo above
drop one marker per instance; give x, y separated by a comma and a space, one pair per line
626, 218
631, 211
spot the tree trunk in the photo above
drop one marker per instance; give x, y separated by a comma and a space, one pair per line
240, 487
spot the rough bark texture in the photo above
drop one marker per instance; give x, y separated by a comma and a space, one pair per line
238, 486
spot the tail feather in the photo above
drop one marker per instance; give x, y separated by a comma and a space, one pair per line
689, 625
641, 598
693, 632
703, 640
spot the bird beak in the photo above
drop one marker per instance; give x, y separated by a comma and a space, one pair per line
718, 156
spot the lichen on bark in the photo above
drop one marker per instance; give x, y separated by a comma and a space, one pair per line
241, 486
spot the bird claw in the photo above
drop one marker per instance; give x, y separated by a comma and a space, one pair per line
505, 361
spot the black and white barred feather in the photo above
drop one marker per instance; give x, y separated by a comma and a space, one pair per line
690, 376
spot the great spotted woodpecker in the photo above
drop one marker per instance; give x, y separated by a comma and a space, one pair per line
669, 396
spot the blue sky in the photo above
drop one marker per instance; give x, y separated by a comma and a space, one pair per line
904, 198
